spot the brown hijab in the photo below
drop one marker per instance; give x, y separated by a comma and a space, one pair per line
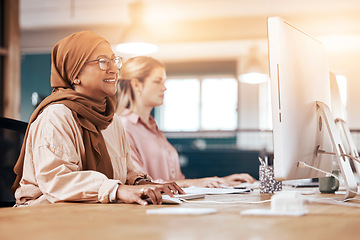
68, 57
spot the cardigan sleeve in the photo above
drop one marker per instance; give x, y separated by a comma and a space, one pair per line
53, 166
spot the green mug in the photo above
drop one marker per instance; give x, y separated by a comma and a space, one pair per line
329, 184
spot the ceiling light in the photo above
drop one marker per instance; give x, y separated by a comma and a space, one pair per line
252, 70
137, 39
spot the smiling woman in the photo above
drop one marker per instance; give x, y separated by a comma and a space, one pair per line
99, 84
74, 148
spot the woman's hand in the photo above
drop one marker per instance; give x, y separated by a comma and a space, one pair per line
236, 179
210, 182
169, 188
137, 194
217, 182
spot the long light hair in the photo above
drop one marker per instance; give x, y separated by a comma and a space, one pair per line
134, 68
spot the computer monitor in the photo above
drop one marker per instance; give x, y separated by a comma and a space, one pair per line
304, 132
339, 113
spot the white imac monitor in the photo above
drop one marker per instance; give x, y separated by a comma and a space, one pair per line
339, 113
337, 108
300, 96
299, 75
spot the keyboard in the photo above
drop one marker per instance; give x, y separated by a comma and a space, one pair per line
178, 199
254, 185
214, 191
301, 183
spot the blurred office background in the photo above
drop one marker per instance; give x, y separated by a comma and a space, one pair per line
215, 113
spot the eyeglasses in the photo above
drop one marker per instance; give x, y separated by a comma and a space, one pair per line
104, 62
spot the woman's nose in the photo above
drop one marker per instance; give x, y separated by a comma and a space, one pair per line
113, 68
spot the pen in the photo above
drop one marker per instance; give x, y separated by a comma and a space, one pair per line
261, 161
266, 161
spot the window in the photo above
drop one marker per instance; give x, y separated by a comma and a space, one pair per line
180, 111
342, 84
219, 104
265, 120
193, 104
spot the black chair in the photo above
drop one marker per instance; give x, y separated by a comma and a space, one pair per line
11, 137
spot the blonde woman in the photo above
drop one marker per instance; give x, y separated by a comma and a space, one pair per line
141, 88
75, 148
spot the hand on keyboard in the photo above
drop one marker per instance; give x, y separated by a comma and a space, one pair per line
178, 199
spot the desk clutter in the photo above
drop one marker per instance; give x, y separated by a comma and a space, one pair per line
290, 201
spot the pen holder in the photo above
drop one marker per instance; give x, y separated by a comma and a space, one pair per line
268, 184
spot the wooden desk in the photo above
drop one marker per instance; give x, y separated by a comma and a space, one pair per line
123, 221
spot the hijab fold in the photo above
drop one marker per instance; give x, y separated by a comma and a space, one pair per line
68, 57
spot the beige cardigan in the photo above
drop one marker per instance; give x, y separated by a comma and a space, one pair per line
53, 168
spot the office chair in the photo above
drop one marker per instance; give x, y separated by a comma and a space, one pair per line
11, 137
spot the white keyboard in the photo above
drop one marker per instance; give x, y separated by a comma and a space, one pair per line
254, 185
214, 191
178, 199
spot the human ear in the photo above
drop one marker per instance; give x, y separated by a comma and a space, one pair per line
136, 85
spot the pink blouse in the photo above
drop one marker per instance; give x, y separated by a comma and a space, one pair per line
150, 150
53, 168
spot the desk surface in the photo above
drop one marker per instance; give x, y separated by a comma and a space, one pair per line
130, 221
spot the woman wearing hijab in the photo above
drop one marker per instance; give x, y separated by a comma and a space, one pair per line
75, 148
142, 88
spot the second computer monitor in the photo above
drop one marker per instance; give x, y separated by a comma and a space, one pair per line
339, 113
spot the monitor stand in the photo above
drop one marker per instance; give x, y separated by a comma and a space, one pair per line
349, 144
345, 167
